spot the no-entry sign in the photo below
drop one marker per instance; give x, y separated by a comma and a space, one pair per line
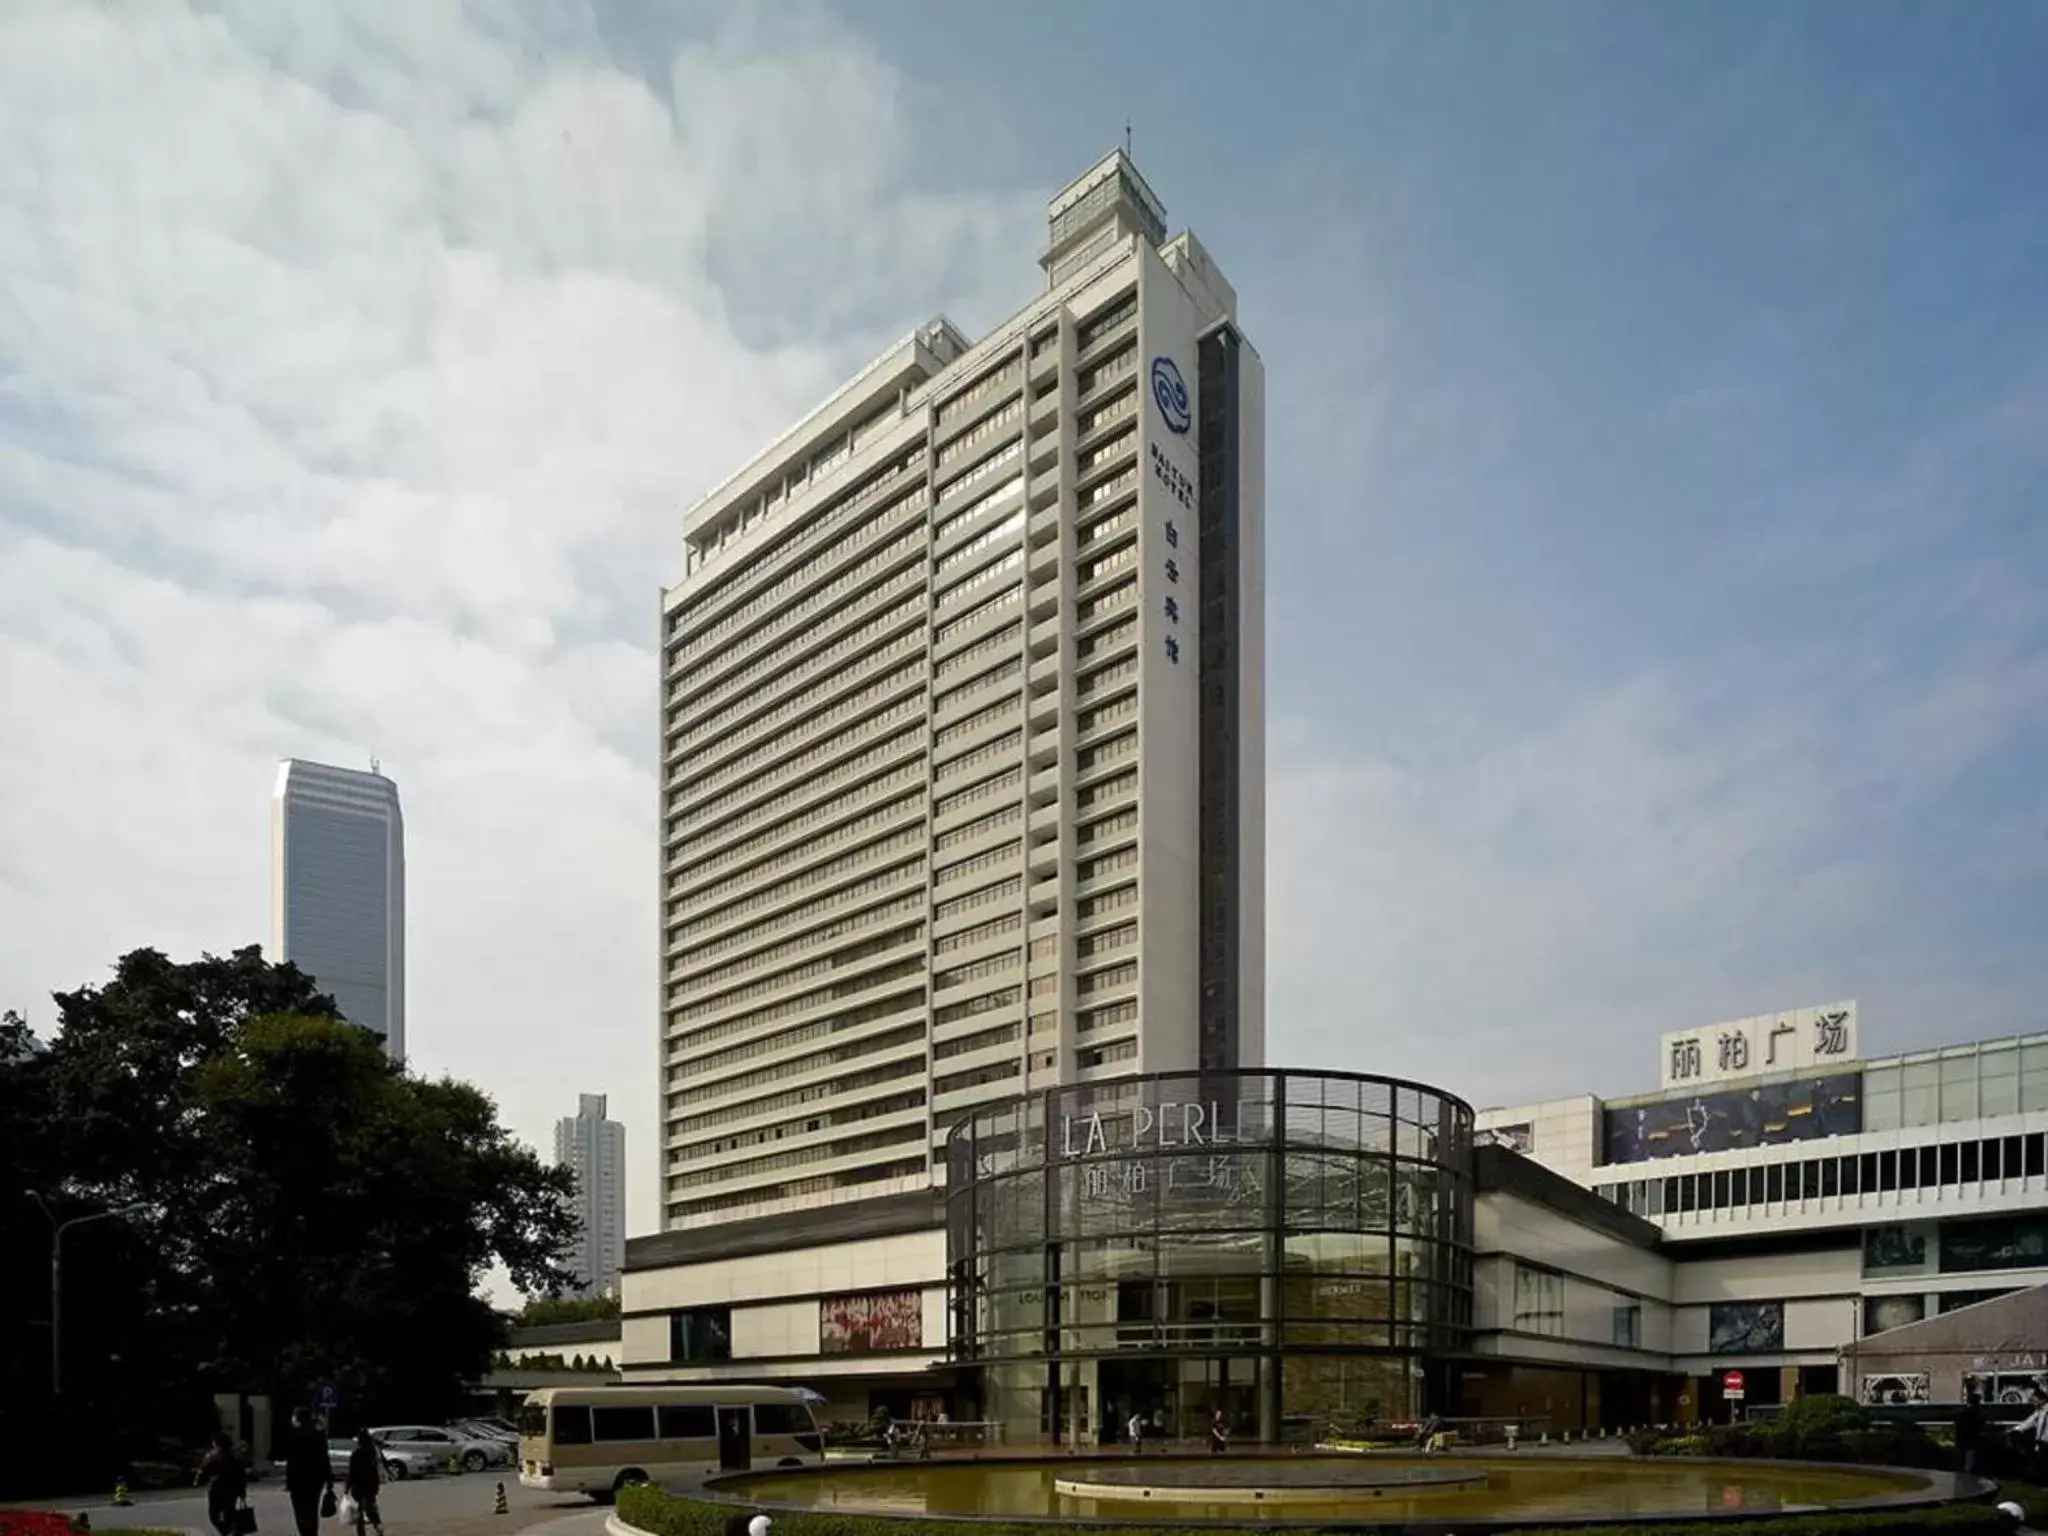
1731, 1384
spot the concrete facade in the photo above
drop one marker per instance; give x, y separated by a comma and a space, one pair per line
772, 1295
934, 830
1863, 1199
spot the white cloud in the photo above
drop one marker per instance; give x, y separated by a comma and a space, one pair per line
1520, 915
358, 366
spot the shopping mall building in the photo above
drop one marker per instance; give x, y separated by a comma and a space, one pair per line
1307, 1248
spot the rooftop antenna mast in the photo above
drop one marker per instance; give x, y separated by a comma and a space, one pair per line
374, 768
1127, 138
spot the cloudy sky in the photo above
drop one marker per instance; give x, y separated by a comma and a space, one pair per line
1659, 440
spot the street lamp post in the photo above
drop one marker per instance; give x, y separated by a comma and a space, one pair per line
57, 1231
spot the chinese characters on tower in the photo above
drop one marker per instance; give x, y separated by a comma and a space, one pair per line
1181, 488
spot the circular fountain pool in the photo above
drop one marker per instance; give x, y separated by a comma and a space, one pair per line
1392, 1490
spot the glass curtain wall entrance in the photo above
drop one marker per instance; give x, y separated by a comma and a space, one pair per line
1292, 1249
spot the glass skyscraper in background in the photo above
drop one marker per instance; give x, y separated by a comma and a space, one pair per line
337, 890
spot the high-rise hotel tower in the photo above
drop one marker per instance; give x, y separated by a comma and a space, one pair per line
962, 733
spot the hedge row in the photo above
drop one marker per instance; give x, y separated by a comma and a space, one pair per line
662, 1514
1883, 1446
1831, 1428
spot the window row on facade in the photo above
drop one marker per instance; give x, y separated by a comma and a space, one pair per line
1973, 1164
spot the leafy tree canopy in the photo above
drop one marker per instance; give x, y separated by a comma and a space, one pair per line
305, 1209
540, 1311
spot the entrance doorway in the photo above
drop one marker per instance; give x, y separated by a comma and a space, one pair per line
1177, 1397
1143, 1387
735, 1439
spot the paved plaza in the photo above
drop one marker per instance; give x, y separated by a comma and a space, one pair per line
433, 1506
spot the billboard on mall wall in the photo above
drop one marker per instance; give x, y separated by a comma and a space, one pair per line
1519, 1137
1793, 1041
1746, 1327
870, 1322
1763, 1115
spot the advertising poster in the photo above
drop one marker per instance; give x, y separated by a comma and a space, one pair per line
1746, 1327
1768, 1115
1881, 1314
1994, 1242
871, 1322
1895, 1247
1519, 1137
1894, 1389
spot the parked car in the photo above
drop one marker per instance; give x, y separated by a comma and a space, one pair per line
400, 1461
465, 1451
483, 1429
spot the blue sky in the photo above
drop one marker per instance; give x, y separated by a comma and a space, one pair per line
1659, 415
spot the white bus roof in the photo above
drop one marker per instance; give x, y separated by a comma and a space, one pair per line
655, 1392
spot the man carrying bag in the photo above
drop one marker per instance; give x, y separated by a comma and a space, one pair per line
308, 1474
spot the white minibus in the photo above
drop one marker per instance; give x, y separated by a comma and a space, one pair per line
597, 1440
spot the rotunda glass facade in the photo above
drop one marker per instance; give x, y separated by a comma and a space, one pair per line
1292, 1249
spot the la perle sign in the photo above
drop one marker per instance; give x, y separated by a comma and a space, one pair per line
1153, 1127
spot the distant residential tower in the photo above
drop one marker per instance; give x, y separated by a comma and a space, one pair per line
594, 1149
337, 890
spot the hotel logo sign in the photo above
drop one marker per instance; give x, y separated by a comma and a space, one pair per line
1170, 394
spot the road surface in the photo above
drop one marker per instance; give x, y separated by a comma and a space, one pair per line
449, 1505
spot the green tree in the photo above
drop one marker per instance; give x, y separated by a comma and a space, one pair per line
308, 1209
540, 1311
360, 1206
24, 1257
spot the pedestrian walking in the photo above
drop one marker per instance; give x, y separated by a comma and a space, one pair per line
1219, 1433
226, 1477
2030, 1435
308, 1474
365, 1477
1136, 1428
1969, 1431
